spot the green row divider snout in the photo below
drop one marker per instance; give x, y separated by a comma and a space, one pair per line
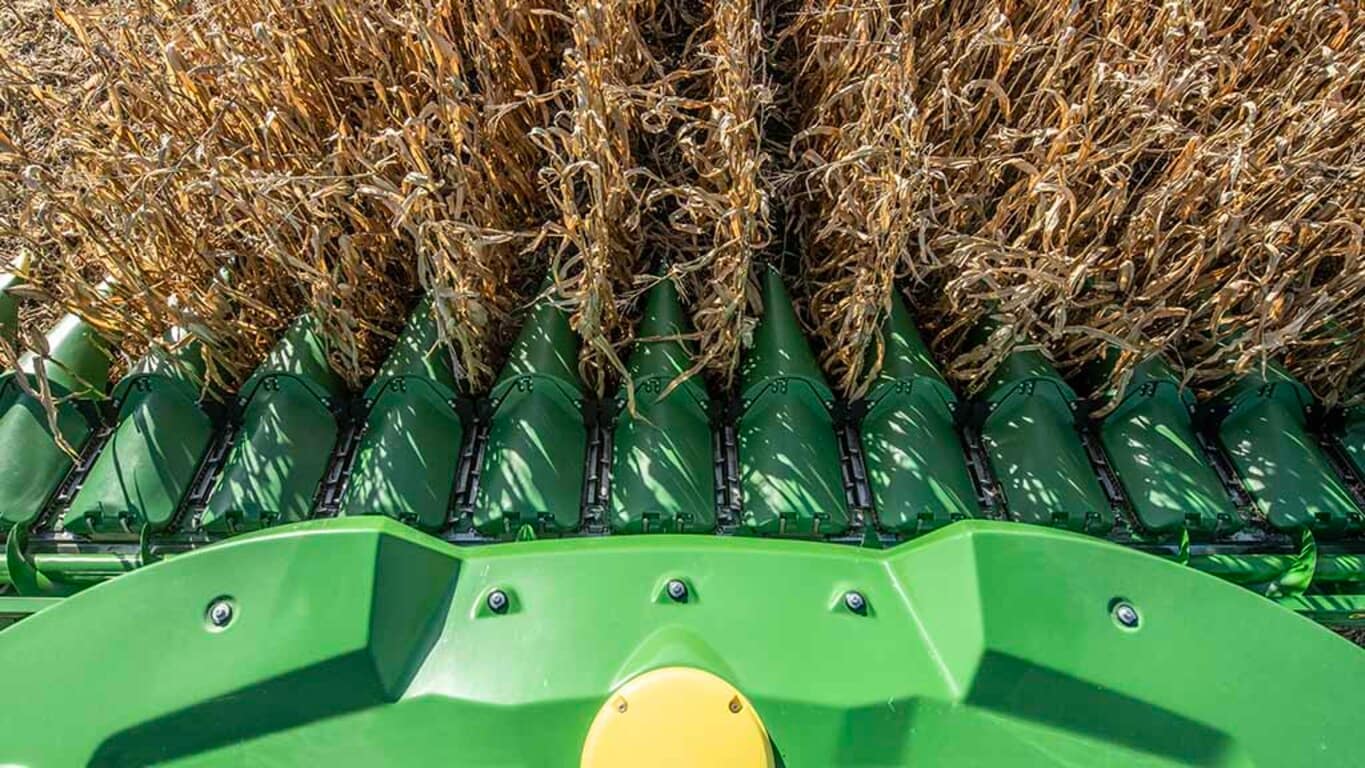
1150, 441
286, 426
409, 448
1035, 450
1352, 438
533, 463
143, 474
32, 462
1288, 475
791, 478
916, 465
663, 464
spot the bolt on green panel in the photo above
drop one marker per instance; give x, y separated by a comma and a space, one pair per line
9, 308
32, 463
915, 463
791, 481
981, 644
287, 428
1151, 445
533, 463
409, 450
1287, 474
142, 475
663, 472
1034, 450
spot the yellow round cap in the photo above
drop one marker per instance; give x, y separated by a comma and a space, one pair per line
677, 716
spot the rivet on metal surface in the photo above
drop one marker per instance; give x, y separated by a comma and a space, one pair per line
497, 601
220, 613
855, 601
677, 590
1126, 615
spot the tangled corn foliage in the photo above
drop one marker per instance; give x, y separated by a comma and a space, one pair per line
1178, 178
1182, 178
860, 152
593, 173
722, 195
232, 164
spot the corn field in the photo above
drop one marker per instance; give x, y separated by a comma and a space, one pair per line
1100, 181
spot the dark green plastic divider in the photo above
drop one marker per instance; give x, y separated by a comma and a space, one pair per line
915, 462
1353, 439
790, 476
287, 428
1151, 445
537, 443
1288, 475
1034, 449
410, 449
142, 475
9, 308
32, 463
663, 473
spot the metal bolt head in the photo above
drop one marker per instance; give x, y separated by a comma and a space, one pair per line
1126, 615
220, 613
855, 601
497, 601
677, 590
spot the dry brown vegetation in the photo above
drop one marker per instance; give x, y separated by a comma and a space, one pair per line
1178, 178
1182, 178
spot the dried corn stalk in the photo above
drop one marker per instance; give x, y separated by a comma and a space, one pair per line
723, 192
236, 163
860, 149
1181, 179
473, 203
594, 176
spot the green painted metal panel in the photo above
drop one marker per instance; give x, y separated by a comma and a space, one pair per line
409, 450
791, 482
1035, 452
916, 466
1353, 439
533, 464
418, 353
663, 463
1150, 442
274, 468
981, 644
77, 360
32, 463
1288, 476
142, 475
286, 431
406, 461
